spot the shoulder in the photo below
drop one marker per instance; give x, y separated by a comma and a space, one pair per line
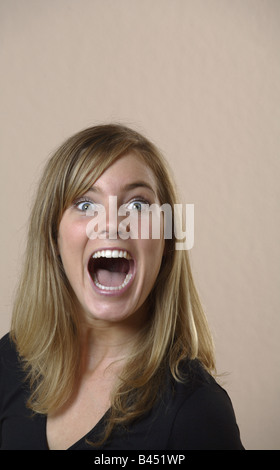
7, 349
11, 374
205, 418
8, 353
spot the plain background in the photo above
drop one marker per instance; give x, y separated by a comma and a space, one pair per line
200, 78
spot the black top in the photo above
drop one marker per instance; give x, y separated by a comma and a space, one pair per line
196, 415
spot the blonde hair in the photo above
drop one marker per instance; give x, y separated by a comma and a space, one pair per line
45, 326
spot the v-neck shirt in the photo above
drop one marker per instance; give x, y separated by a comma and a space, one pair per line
194, 415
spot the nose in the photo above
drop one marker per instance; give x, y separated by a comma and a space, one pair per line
105, 224
111, 222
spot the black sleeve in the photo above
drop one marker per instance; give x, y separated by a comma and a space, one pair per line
206, 421
5, 348
19, 428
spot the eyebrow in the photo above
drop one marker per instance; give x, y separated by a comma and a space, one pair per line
129, 187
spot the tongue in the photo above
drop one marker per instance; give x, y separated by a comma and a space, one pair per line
110, 272
110, 278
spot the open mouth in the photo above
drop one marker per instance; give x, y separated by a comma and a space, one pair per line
111, 270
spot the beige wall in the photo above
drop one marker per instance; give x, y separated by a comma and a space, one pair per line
201, 78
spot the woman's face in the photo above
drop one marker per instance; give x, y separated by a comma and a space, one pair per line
112, 274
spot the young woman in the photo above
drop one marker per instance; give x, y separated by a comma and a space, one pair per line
109, 347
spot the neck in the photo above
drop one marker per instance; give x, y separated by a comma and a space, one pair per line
104, 343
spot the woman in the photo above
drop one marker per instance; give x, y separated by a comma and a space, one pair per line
109, 347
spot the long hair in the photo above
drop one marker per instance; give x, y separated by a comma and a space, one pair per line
45, 325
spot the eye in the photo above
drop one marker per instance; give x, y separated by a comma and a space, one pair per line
85, 205
138, 205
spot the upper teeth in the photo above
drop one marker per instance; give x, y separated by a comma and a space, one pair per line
111, 254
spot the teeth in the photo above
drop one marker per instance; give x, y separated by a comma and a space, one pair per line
125, 282
112, 254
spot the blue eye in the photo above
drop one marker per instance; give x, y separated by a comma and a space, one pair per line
85, 206
138, 205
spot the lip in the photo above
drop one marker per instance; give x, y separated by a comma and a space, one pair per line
132, 271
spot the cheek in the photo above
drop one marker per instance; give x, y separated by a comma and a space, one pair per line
153, 244
71, 239
151, 224
153, 250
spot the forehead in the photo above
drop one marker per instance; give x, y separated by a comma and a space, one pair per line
127, 171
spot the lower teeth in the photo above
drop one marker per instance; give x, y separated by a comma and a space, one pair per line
125, 282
